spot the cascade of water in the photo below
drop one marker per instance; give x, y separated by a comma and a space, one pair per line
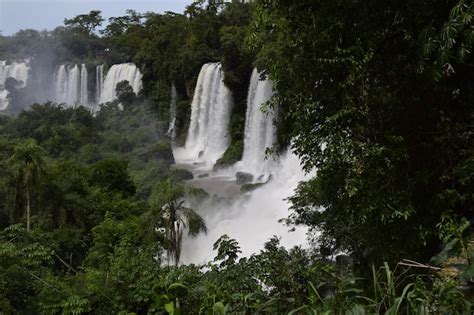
69, 85
210, 114
171, 129
84, 91
259, 127
4, 99
60, 79
17, 70
116, 74
252, 219
99, 81
73, 81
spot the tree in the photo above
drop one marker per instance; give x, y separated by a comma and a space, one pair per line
382, 117
86, 23
125, 94
169, 198
113, 177
27, 161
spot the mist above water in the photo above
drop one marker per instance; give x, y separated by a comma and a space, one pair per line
253, 218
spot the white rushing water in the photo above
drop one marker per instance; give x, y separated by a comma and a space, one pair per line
251, 218
171, 129
71, 85
84, 91
99, 81
208, 135
17, 70
116, 74
259, 127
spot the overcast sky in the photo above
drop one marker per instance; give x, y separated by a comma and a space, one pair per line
47, 14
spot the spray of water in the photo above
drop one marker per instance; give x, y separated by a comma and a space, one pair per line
251, 219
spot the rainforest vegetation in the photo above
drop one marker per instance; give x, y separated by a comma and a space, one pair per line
376, 96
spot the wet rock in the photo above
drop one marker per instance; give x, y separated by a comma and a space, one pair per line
243, 178
201, 153
203, 175
252, 187
180, 174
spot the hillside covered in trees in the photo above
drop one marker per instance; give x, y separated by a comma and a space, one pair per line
375, 98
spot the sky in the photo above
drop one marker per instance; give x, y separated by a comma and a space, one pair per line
47, 14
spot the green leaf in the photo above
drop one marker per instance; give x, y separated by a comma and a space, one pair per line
169, 307
219, 308
177, 289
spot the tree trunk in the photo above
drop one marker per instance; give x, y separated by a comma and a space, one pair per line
27, 207
177, 245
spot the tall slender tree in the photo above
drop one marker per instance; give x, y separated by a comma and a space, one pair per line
175, 218
27, 163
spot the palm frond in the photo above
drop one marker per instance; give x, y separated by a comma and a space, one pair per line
195, 222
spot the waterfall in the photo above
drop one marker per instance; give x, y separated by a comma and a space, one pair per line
17, 70
73, 81
210, 114
251, 218
68, 85
99, 81
259, 127
116, 74
84, 91
60, 80
171, 129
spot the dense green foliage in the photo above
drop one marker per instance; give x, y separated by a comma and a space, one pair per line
383, 103
375, 95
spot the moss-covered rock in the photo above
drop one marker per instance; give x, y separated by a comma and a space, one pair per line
232, 155
181, 174
250, 187
243, 178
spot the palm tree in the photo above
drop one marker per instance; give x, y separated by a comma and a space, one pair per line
27, 163
175, 217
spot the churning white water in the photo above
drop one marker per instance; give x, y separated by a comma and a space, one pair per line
17, 70
116, 74
259, 126
253, 218
208, 135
